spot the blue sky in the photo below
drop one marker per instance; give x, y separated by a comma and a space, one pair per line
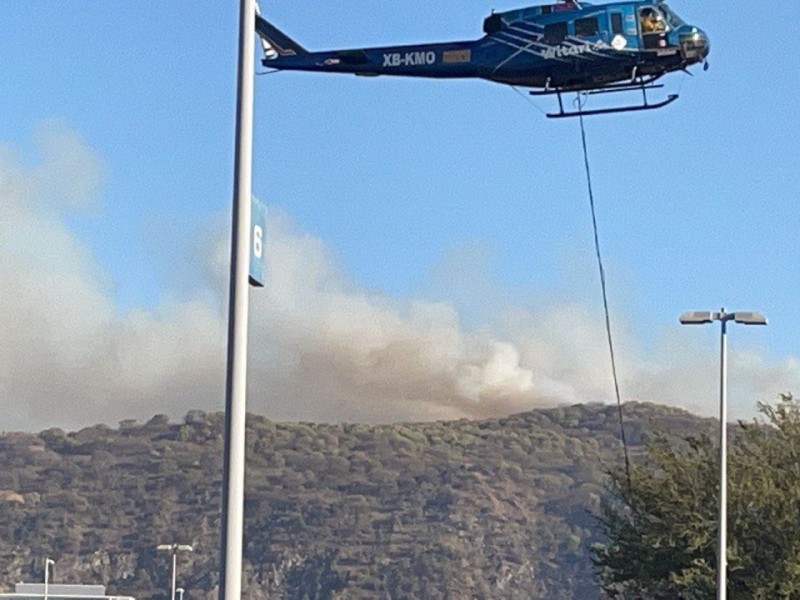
407, 192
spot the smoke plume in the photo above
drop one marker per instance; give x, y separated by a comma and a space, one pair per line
321, 347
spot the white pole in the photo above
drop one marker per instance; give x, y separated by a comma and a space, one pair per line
47, 562
230, 585
700, 318
174, 569
722, 545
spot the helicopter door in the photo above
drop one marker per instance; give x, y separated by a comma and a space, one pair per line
623, 22
654, 28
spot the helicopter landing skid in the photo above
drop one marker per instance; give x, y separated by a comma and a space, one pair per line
645, 105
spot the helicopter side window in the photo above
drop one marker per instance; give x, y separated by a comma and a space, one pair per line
555, 33
586, 27
654, 28
652, 21
616, 23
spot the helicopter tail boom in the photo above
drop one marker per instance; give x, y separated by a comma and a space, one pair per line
275, 42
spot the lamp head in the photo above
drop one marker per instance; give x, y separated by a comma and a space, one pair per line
697, 317
701, 317
749, 318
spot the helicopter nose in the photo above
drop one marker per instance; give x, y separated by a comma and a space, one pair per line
695, 45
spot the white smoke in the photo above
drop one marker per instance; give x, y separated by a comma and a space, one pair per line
321, 348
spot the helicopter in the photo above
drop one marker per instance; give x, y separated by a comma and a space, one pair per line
569, 46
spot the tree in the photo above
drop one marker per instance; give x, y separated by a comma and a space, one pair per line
661, 528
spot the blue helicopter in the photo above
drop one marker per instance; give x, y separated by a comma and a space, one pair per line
569, 46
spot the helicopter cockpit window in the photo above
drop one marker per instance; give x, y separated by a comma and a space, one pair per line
672, 19
652, 21
555, 33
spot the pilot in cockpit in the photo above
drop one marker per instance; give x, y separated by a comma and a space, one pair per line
652, 21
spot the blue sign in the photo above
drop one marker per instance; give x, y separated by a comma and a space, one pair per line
258, 231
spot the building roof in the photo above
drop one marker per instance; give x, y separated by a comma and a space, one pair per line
61, 591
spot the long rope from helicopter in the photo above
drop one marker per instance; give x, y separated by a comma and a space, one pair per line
603, 286
602, 271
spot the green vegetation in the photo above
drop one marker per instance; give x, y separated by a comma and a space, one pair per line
500, 508
662, 530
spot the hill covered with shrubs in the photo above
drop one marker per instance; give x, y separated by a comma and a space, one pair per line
502, 508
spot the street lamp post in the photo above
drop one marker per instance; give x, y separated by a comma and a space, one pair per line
48, 562
180, 593
174, 549
701, 318
232, 527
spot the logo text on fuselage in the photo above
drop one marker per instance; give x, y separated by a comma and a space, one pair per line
409, 59
567, 51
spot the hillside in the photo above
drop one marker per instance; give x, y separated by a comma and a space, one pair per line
466, 509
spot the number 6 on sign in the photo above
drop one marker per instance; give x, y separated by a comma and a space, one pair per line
258, 224
258, 234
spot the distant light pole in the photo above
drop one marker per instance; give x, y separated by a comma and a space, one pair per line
174, 549
48, 562
180, 593
701, 318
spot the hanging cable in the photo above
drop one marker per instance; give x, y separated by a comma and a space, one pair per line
605, 294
